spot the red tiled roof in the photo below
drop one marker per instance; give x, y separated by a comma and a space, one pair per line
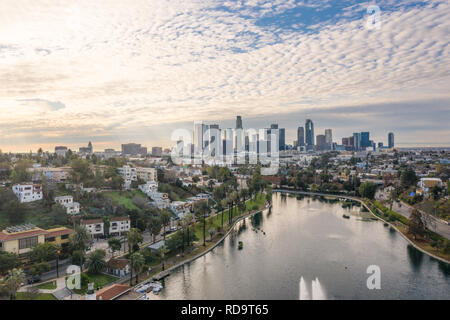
120, 218
91, 221
113, 291
5, 236
58, 233
117, 263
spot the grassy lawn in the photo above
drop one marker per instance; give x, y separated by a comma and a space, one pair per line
100, 280
125, 198
216, 220
41, 296
48, 285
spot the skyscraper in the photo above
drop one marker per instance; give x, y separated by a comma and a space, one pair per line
238, 122
199, 129
357, 141
365, 140
282, 140
391, 139
328, 136
320, 142
300, 137
309, 134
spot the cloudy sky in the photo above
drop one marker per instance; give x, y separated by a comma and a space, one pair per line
116, 71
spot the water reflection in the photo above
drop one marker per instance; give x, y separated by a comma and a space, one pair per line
415, 257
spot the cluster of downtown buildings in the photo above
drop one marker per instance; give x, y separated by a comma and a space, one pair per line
230, 144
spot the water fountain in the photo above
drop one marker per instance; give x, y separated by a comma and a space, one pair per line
317, 290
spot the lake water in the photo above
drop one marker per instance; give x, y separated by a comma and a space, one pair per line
306, 242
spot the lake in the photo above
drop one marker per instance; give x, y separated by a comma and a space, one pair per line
304, 242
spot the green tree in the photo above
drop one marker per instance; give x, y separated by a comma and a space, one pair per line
96, 261
165, 220
79, 241
162, 253
408, 177
137, 262
43, 252
114, 244
12, 282
155, 226
134, 238
416, 225
367, 190
8, 261
39, 268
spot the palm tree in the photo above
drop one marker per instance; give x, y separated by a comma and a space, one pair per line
202, 210
234, 200
162, 252
165, 220
12, 282
134, 237
96, 261
224, 204
182, 224
137, 262
79, 240
189, 221
115, 245
230, 206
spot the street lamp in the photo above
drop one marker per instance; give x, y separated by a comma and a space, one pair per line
57, 263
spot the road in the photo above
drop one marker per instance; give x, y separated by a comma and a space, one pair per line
436, 225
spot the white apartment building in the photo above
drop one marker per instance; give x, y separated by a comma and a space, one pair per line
28, 192
149, 187
147, 174
161, 199
95, 227
427, 183
128, 174
68, 203
180, 208
119, 225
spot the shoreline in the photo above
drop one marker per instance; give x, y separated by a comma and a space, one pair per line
373, 214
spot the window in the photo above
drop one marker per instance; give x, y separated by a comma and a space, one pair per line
65, 236
28, 242
50, 239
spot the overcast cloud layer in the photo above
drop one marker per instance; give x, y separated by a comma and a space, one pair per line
118, 71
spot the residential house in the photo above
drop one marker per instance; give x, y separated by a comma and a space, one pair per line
147, 174
95, 227
118, 267
68, 203
119, 225
28, 192
180, 208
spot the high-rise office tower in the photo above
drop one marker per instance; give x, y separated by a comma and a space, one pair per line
309, 134
365, 140
300, 137
320, 142
328, 136
238, 122
391, 139
282, 140
199, 129
357, 141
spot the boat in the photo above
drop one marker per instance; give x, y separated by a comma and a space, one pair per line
345, 216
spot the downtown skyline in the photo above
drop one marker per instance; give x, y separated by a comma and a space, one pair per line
112, 73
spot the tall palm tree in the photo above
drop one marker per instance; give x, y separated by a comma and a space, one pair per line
234, 200
96, 261
189, 222
182, 224
134, 237
202, 210
165, 219
115, 245
224, 204
80, 240
163, 251
137, 263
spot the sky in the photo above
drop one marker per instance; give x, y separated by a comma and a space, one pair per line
116, 71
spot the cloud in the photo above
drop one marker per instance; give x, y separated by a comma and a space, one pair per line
44, 104
120, 66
